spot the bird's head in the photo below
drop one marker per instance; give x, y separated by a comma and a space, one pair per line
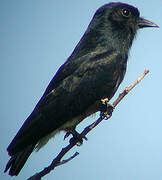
119, 21
126, 16
113, 26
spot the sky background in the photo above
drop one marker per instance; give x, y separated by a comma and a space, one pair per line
36, 37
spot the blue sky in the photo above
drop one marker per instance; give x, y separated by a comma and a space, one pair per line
36, 38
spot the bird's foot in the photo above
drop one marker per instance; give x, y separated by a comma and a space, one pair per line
106, 109
77, 138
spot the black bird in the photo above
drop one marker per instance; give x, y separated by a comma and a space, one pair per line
93, 72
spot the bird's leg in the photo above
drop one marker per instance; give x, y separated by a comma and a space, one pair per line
77, 138
105, 108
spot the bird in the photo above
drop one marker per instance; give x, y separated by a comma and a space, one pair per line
92, 73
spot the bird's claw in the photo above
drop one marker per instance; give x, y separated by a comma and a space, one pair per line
67, 135
106, 109
77, 138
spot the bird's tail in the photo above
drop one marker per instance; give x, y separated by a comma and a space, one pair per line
17, 161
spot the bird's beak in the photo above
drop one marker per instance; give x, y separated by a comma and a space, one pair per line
142, 23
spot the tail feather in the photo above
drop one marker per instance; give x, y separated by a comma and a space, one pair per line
17, 161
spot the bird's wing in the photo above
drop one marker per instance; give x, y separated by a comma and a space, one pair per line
76, 92
64, 71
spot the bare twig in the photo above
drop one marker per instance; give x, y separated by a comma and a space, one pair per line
127, 89
57, 161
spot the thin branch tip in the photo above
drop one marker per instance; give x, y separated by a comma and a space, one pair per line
146, 71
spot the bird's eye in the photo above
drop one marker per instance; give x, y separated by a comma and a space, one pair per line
126, 12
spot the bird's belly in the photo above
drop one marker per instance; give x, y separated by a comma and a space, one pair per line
65, 127
69, 125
